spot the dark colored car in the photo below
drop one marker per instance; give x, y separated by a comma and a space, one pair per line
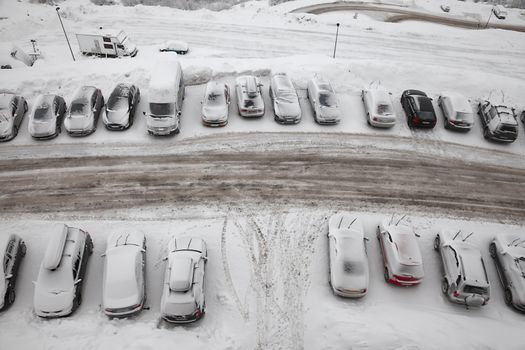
84, 111
121, 107
12, 111
418, 109
48, 114
12, 250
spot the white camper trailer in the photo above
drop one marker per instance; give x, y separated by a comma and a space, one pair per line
107, 43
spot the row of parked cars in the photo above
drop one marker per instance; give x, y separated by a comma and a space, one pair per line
166, 93
465, 280
58, 287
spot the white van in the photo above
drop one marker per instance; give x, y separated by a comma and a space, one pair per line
107, 43
165, 93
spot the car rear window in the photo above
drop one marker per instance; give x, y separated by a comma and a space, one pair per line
474, 290
424, 104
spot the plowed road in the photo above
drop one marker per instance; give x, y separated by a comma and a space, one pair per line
306, 172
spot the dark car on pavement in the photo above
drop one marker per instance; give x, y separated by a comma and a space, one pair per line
12, 250
121, 107
418, 109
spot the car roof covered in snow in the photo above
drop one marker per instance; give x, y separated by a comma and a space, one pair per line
514, 245
471, 262
164, 82
55, 248
506, 115
181, 274
458, 102
83, 93
186, 243
122, 239
406, 242
215, 88
4, 239
379, 96
281, 81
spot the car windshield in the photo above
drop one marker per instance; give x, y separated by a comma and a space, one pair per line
116, 103
43, 112
215, 99
80, 108
384, 109
249, 103
162, 109
474, 289
423, 104
351, 267
507, 128
327, 99
462, 116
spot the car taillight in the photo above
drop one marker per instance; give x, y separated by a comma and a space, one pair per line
197, 313
456, 293
374, 119
415, 119
244, 110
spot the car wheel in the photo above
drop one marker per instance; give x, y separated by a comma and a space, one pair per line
23, 248
486, 132
436, 243
25, 107
386, 274
508, 296
77, 301
444, 286
447, 124
11, 297
492, 250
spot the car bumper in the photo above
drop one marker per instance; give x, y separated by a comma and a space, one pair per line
327, 121
118, 313
287, 120
464, 300
7, 138
53, 314
497, 138
251, 114
163, 131
181, 319
215, 123
80, 133
403, 283
116, 127
379, 124
44, 136
350, 293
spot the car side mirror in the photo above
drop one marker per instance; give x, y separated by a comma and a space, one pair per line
164, 258
9, 276
144, 112
417, 235
103, 255
143, 250
205, 258
94, 109
179, 113
366, 239
78, 281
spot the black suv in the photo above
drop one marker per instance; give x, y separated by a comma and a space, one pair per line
418, 109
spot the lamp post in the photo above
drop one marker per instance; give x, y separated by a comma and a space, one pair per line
62, 24
491, 12
336, 35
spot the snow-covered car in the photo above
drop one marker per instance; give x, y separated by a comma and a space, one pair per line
124, 284
58, 288
378, 108
83, 113
284, 98
508, 253
499, 12
178, 46
12, 111
403, 263
12, 251
457, 111
465, 278
249, 96
121, 107
182, 298
499, 122
418, 109
45, 121
445, 8
347, 256
216, 104
324, 101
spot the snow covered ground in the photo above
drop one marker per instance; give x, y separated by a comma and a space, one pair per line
266, 289
267, 284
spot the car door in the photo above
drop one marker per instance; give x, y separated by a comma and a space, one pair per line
227, 93
332, 248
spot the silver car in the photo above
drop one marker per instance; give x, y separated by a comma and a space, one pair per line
216, 103
12, 111
324, 101
182, 298
465, 278
508, 252
84, 111
249, 96
45, 122
347, 256
285, 101
124, 284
